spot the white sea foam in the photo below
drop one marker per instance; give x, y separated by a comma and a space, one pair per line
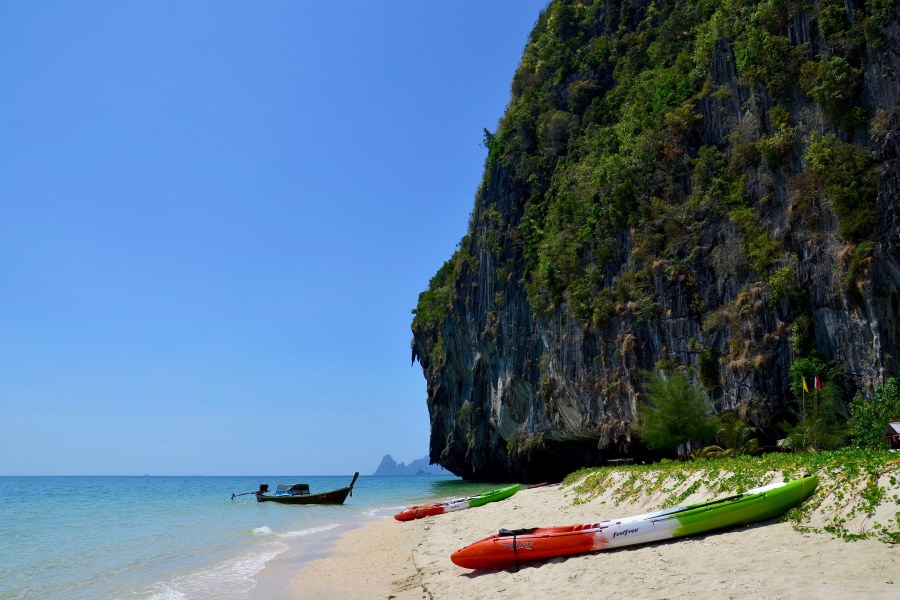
227, 579
310, 531
167, 593
264, 530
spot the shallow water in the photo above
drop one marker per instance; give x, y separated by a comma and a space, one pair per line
176, 537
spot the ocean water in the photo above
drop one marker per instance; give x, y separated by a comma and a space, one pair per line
177, 538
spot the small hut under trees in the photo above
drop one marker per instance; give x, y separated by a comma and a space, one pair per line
892, 435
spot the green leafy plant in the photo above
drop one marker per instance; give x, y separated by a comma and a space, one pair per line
736, 435
869, 417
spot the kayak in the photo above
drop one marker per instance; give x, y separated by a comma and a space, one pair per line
439, 508
512, 547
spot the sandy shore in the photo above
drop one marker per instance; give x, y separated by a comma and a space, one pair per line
405, 561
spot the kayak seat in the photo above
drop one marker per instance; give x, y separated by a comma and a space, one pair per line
509, 532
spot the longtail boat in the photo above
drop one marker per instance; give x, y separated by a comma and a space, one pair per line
510, 548
439, 508
298, 493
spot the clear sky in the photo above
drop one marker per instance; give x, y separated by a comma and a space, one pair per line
216, 217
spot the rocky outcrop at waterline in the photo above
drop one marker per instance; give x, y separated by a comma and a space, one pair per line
712, 188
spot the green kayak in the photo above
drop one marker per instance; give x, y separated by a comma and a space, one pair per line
439, 508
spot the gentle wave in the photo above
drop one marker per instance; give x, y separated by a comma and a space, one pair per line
310, 531
226, 579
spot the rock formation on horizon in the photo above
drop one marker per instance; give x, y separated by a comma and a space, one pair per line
420, 466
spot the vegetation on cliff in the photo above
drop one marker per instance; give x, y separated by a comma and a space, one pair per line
694, 183
601, 129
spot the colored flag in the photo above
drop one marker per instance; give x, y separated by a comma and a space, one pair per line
805, 387
817, 383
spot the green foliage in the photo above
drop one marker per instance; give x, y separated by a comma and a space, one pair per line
777, 147
803, 336
820, 422
862, 256
769, 59
833, 20
834, 83
736, 435
675, 412
868, 418
820, 431
848, 178
808, 368
852, 483
783, 284
434, 303
879, 9
762, 250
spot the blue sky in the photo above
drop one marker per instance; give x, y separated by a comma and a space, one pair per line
215, 218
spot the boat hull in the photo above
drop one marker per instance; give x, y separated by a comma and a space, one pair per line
332, 497
439, 508
511, 548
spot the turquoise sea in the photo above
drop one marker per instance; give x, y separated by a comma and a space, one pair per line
165, 538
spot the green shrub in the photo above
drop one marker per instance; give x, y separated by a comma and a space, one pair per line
783, 284
819, 420
434, 303
879, 9
766, 58
820, 425
834, 84
675, 412
735, 434
803, 336
808, 368
869, 417
833, 20
762, 250
848, 178
862, 255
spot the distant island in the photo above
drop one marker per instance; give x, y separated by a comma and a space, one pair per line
419, 466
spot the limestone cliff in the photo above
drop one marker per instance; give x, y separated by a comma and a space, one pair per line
703, 185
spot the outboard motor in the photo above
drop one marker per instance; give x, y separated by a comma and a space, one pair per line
263, 488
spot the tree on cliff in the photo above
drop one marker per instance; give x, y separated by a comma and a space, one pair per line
675, 413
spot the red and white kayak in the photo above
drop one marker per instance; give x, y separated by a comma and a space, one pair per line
511, 548
439, 508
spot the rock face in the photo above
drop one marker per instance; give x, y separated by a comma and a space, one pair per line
524, 383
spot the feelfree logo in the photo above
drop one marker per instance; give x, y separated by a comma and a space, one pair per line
625, 532
518, 545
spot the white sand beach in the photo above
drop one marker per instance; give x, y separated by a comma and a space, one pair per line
405, 561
